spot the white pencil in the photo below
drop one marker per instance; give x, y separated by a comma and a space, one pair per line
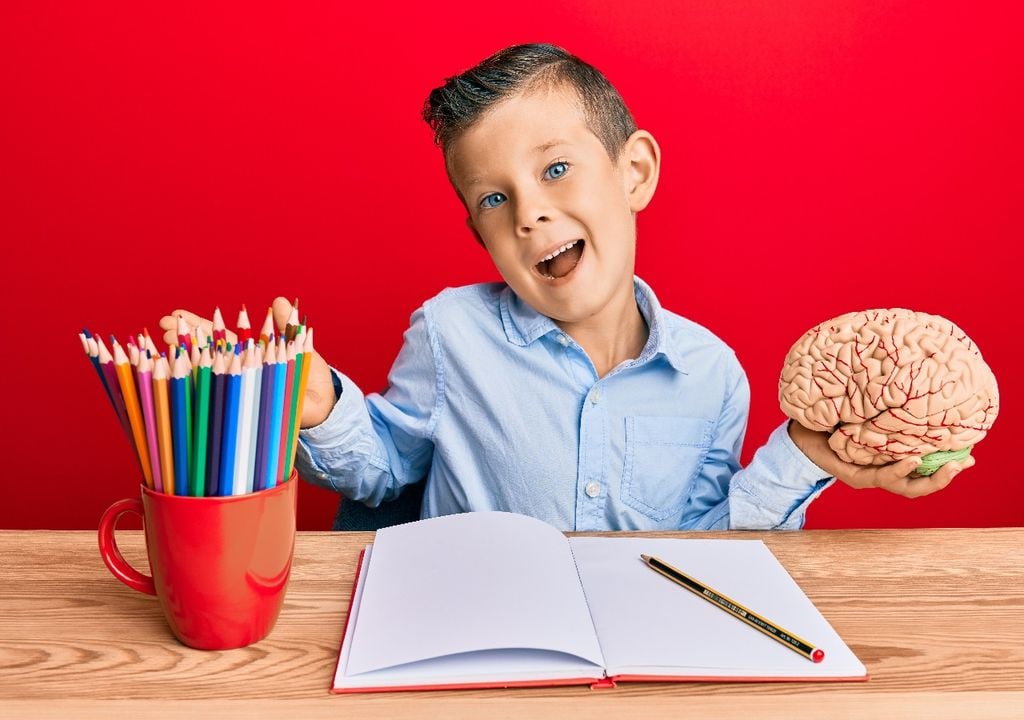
257, 360
243, 467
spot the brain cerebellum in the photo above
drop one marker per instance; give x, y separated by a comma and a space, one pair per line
888, 384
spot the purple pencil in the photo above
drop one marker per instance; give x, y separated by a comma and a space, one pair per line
266, 383
216, 423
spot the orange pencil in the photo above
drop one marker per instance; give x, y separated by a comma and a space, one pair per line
131, 403
161, 371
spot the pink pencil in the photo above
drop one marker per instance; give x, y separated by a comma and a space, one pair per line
145, 382
285, 421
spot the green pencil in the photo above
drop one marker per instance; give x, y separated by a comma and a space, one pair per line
293, 415
202, 424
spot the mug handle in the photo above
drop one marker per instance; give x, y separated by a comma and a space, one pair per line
112, 556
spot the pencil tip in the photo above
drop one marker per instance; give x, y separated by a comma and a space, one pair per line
645, 558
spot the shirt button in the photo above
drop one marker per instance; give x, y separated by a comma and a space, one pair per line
322, 475
595, 397
563, 340
592, 489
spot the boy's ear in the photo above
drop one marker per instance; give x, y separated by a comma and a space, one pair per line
472, 229
640, 162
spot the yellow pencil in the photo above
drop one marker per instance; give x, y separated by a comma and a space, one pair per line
131, 403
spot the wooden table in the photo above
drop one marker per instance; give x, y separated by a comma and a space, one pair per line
937, 616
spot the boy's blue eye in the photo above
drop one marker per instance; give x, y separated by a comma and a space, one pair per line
557, 170
497, 197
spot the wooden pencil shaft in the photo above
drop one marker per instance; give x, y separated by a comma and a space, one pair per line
732, 607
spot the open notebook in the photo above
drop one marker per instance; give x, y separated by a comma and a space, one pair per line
494, 599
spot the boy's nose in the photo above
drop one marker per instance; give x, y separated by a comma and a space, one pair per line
527, 225
530, 214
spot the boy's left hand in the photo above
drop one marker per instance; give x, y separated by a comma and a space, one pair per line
897, 477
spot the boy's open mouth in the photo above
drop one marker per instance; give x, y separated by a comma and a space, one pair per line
561, 261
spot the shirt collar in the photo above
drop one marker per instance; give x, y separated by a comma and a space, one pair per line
523, 325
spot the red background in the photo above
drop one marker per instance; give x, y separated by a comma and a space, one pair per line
818, 157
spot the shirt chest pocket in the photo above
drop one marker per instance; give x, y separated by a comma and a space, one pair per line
663, 455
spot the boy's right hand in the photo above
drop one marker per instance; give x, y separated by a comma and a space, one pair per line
319, 387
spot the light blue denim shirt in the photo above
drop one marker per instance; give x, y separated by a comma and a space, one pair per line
501, 410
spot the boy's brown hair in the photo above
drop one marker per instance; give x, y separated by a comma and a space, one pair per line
453, 107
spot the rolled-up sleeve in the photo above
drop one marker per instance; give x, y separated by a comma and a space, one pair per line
370, 447
776, 488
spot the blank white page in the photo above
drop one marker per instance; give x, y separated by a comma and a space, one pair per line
470, 583
648, 624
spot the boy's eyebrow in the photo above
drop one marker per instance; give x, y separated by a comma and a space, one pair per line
539, 149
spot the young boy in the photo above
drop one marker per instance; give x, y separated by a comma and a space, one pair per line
566, 392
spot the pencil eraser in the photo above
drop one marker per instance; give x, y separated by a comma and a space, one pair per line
818, 655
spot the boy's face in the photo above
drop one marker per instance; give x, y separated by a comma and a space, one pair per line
536, 181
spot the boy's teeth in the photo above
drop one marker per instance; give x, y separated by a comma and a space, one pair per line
559, 251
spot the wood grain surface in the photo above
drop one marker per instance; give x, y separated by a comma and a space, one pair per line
937, 616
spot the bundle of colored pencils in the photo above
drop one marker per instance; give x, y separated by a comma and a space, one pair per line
209, 418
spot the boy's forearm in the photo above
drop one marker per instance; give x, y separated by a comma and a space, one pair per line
815, 446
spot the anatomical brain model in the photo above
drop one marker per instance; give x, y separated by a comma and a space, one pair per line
889, 384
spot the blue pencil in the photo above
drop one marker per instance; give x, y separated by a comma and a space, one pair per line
229, 440
266, 399
95, 360
179, 424
216, 423
276, 412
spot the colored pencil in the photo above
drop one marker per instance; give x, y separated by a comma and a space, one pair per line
276, 409
220, 334
229, 435
293, 417
254, 420
184, 334
149, 344
162, 410
145, 380
201, 339
111, 382
266, 400
179, 423
243, 467
216, 422
292, 326
131, 402
189, 414
243, 326
202, 423
287, 408
267, 331
133, 353
307, 358
93, 353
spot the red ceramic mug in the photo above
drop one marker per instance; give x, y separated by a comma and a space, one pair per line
220, 564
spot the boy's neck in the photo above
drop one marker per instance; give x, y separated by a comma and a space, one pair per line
611, 337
